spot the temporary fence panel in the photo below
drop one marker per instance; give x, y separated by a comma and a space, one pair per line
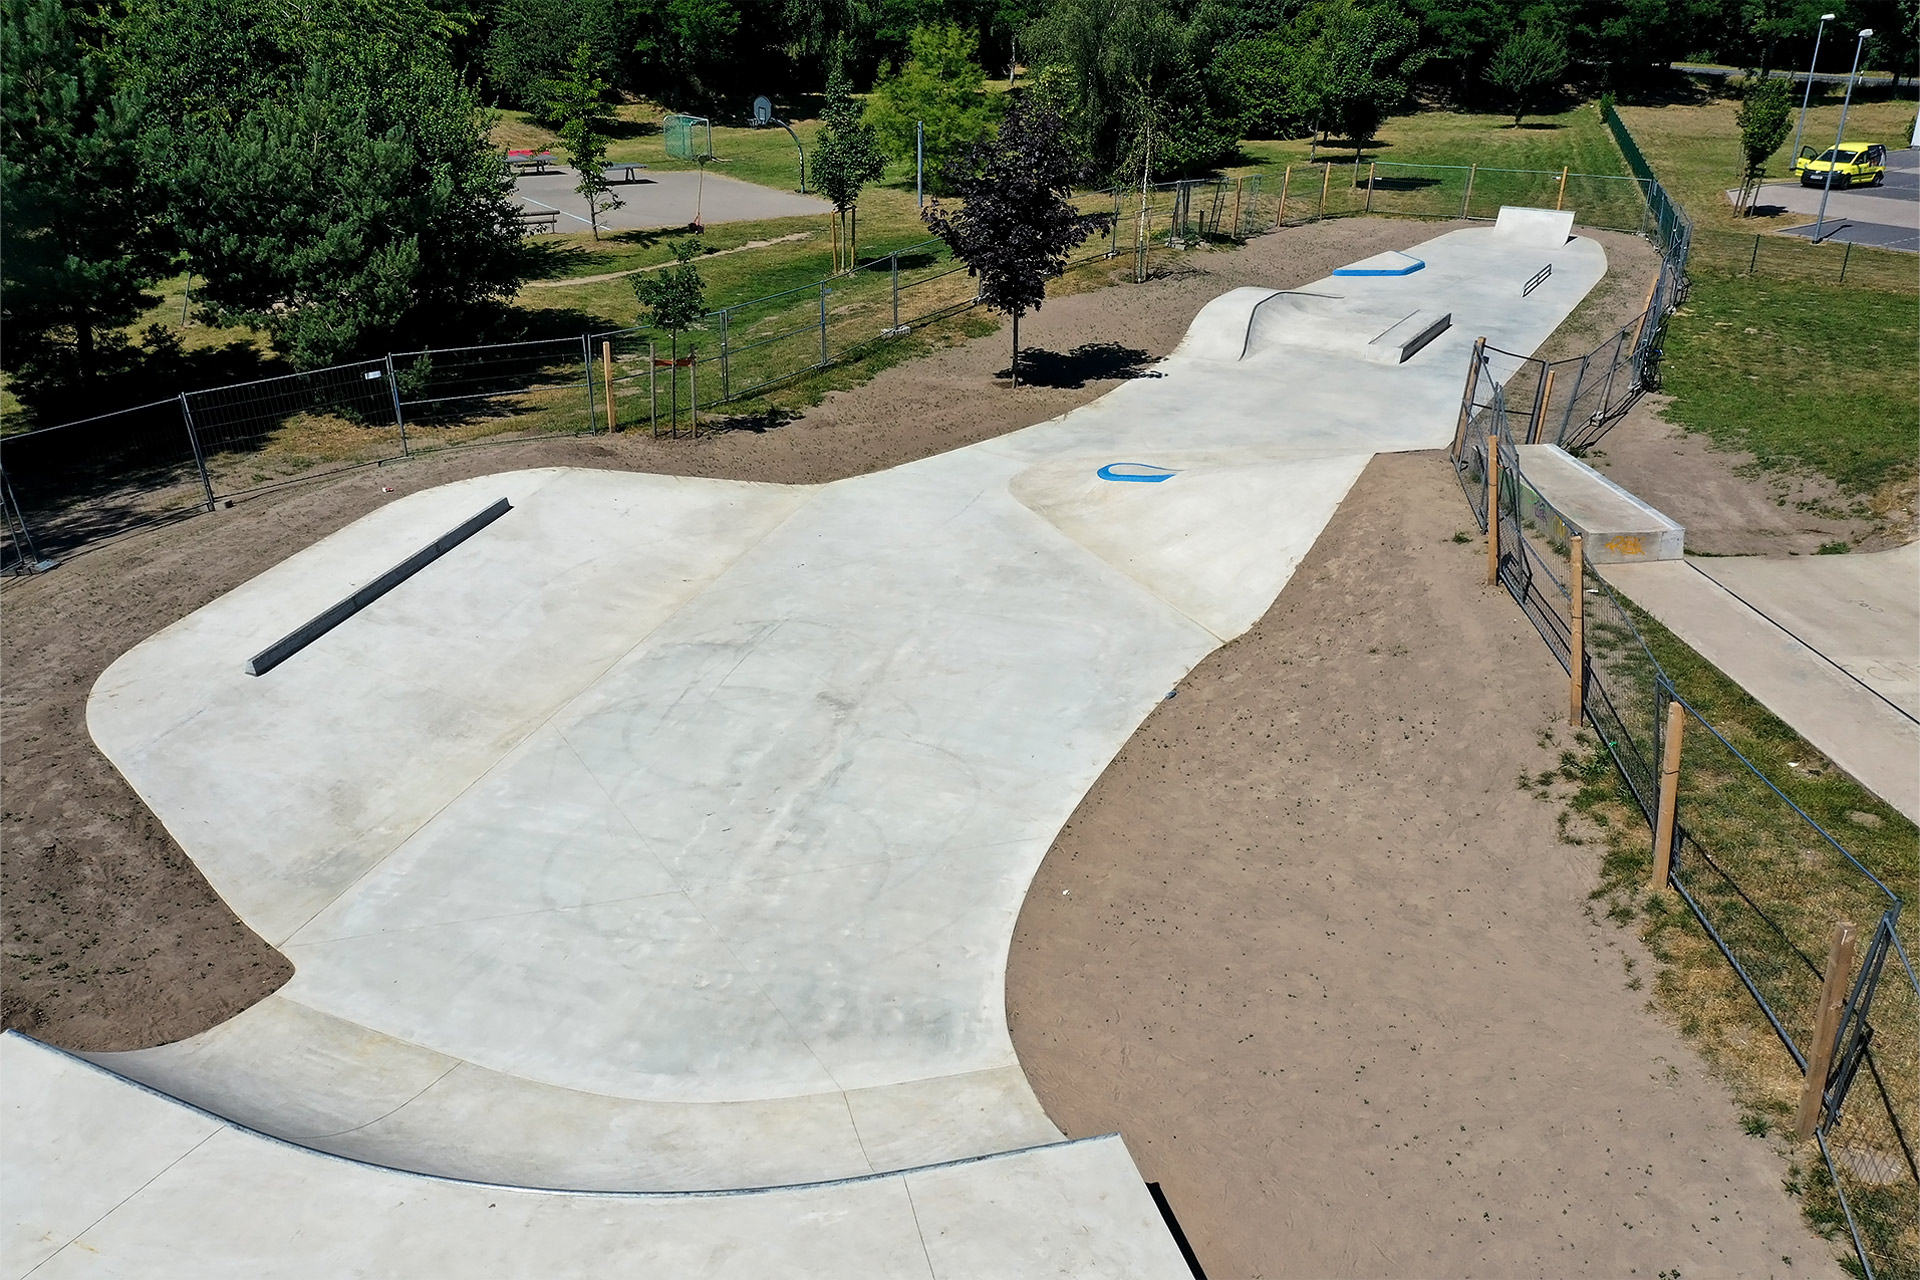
460, 395
267, 432
93, 479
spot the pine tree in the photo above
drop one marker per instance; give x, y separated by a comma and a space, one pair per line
81, 235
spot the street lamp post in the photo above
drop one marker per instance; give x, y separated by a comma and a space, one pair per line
1859, 46
1812, 66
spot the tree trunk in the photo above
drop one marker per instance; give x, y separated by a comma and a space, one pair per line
1016, 348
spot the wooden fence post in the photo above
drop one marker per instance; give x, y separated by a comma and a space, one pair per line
606, 372
1669, 794
1466, 401
1280, 213
1646, 313
1466, 201
1577, 620
1373, 167
1493, 509
1326, 177
1560, 200
1833, 1001
1540, 407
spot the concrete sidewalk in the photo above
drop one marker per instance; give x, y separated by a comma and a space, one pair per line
1826, 643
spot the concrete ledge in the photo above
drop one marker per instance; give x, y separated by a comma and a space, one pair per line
1408, 336
307, 632
1565, 496
1534, 228
1391, 263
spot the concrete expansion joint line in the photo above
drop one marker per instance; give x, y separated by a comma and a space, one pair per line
1803, 643
926, 1254
394, 1110
486, 773
130, 1195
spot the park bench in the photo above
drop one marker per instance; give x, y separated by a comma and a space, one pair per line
542, 220
530, 161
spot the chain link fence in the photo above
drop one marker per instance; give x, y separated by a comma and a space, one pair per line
1764, 881
80, 482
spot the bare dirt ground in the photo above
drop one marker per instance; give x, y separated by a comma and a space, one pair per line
1335, 976
1727, 504
113, 940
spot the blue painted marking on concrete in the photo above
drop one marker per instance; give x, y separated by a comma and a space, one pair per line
1151, 475
1413, 264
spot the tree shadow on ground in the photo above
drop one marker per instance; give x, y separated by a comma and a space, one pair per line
1089, 362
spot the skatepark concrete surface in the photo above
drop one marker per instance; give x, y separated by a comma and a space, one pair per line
1827, 643
167, 1191
669, 834
663, 198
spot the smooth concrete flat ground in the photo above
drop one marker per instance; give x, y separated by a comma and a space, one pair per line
182, 1196
1829, 651
691, 815
116, 941
664, 199
1338, 975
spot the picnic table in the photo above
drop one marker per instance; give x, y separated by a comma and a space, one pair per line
537, 161
547, 220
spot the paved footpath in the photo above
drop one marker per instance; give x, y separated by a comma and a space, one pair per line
1830, 644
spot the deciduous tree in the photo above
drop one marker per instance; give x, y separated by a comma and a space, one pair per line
1765, 120
1529, 64
578, 103
1016, 224
942, 87
846, 157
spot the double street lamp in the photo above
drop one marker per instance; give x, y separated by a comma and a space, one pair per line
1859, 46
1812, 66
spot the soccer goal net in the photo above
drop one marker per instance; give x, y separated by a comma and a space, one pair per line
688, 137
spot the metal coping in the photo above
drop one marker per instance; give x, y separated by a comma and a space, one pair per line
305, 634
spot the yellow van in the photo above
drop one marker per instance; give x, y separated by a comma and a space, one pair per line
1853, 164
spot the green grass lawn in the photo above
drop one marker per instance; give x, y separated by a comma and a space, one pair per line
1695, 149
1800, 375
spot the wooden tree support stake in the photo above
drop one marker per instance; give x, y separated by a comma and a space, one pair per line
606, 374
1577, 640
1560, 201
1326, 179
1669, 795
1826, 1028
1280, 214
1493, 509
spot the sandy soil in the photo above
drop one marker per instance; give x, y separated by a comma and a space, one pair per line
1334, 976
113, 939
1729, 506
